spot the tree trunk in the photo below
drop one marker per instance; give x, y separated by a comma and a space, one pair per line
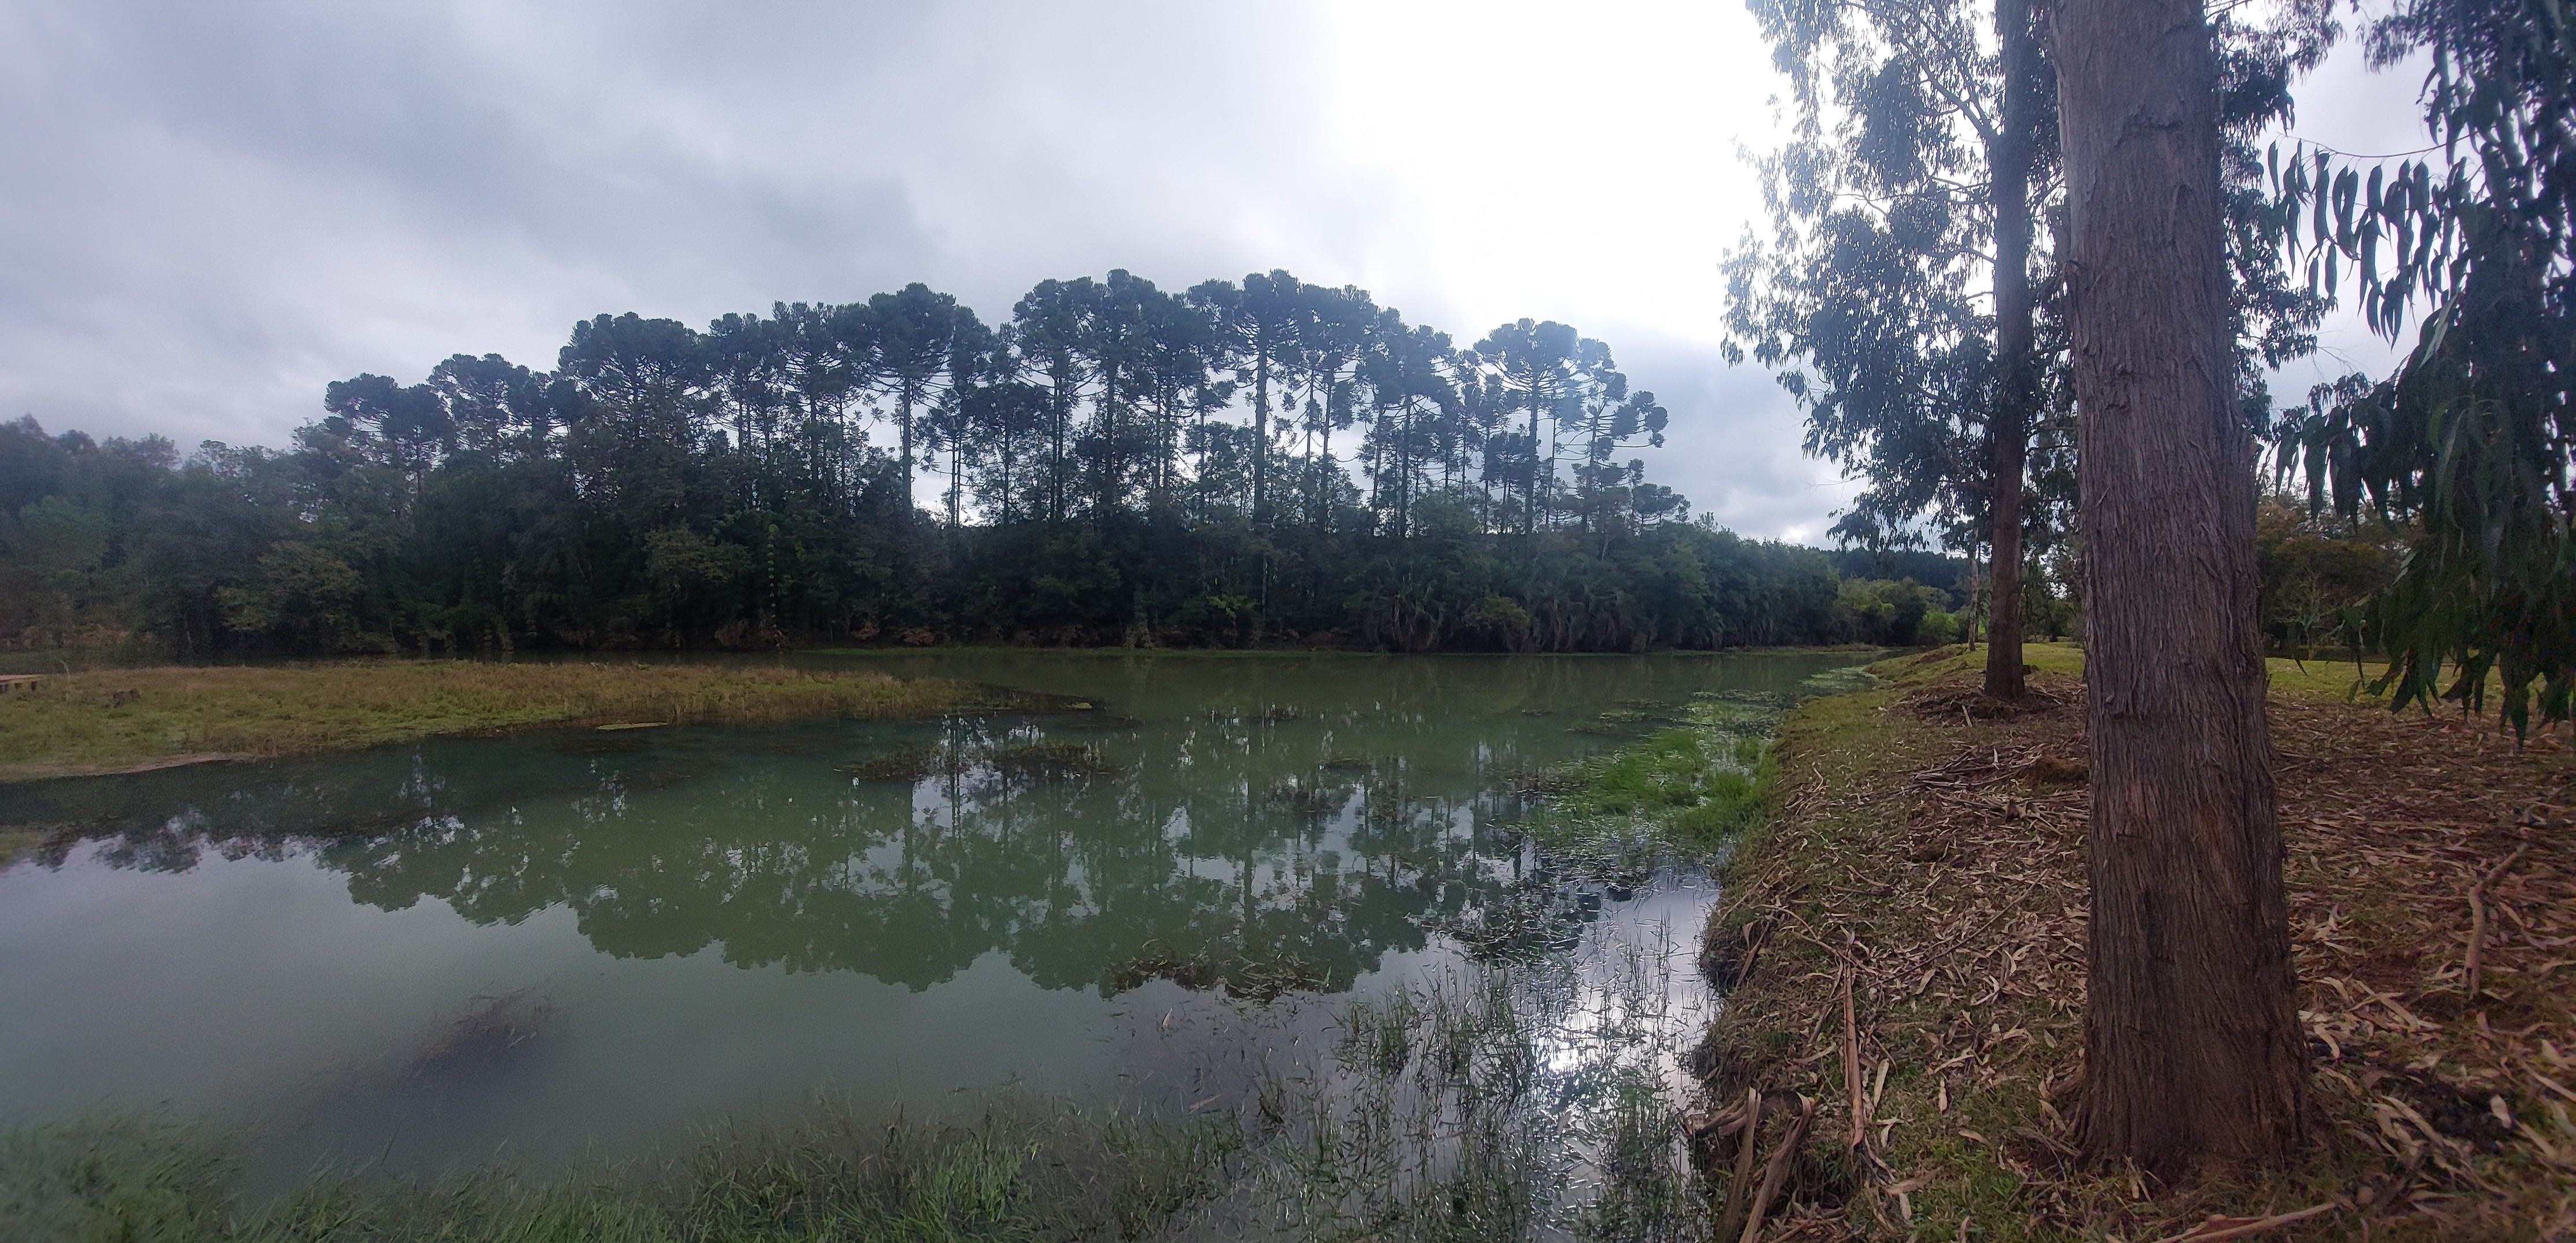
1260, 431
2008, 428
2193, 1050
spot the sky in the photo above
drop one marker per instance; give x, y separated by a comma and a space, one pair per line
213, 210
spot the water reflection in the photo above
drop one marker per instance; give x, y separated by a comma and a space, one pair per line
1261, 824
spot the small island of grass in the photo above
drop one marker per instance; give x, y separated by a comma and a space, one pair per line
132, 720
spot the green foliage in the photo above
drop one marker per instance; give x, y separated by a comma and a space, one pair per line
1100, 480
2320, 576
2472, 444
1020, 1172
1872, 290
1900, 614
1692, 789
1861, 294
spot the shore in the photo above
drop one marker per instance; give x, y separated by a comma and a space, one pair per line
1925, 862
135, 720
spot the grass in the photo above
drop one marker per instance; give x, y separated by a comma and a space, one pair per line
15, 842
135, 719
1022, 1171
1431, 1114
1689, 792
1927, 852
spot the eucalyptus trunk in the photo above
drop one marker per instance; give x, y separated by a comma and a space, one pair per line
2009, 159
2193, 1050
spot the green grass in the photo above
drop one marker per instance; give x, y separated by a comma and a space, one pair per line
1698, 784
133, 719
1020, 1172
1690, 791
1432, 1116
15, 842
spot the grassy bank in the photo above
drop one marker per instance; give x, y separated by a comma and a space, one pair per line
135, 719
1924, 859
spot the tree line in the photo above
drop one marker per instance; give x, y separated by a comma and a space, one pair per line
1263, 461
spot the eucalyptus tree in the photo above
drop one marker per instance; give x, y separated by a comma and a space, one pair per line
2473, 440
1902, 293
1895, 293
2193, 1049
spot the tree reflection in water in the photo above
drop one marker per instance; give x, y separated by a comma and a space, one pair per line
1264, 823
1085, 862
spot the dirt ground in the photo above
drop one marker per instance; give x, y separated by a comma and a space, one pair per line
1905, 948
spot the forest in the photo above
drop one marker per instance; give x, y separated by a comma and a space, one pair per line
1267, 462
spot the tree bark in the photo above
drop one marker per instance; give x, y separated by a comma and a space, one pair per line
2008, 427
2193, 1051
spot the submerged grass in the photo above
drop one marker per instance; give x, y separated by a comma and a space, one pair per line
1685, 792
1022, 1171
1489, 1103
16, 842
135, 719
1479, 1104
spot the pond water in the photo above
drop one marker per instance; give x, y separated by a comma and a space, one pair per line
550, 945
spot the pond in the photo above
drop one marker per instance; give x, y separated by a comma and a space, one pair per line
584, 943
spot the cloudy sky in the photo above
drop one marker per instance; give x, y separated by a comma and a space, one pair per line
213, 209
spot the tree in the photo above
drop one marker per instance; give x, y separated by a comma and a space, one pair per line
406, 428
2012, 157
1402, 370
1608, 418
915, 335
1052, 326
2472, 443
1910, 179
673, 487
1257, 325
1330, 337
977, 358
1533, 362
2193, 1048
1902, 292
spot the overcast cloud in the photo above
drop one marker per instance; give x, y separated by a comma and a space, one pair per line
213, 209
